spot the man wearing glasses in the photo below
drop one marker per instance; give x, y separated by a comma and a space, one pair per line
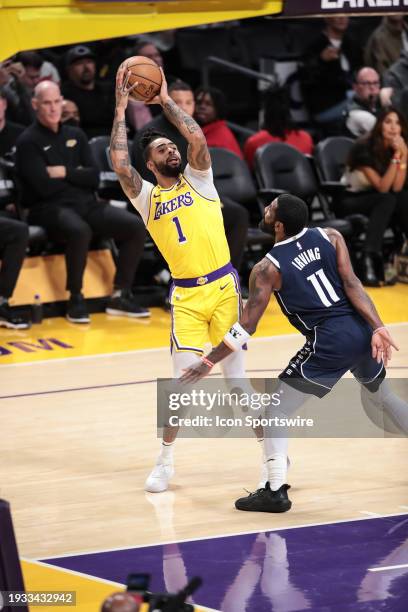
368, 100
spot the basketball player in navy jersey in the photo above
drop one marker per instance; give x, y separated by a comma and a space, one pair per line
310, 272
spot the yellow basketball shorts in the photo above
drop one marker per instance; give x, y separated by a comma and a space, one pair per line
204, 314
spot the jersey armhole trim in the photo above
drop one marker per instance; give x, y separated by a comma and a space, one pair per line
273, 260
150, 205
201, 196
323, 233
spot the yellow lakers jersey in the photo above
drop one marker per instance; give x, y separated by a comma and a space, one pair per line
188, 229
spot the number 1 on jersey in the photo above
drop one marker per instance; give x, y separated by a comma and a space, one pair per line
181, 236
321, 284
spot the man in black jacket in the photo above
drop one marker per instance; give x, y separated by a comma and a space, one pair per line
95, 99
9, 131
326, 77
59, 179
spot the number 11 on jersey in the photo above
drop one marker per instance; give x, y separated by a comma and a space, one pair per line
181, 236
322, 286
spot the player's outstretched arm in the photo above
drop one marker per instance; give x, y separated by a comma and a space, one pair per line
382, 341
197, 153
129, 178
264, 279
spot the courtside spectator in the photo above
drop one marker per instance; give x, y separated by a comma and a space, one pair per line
367, 102
277, 126
376, 181
210, 113
13, 246
386, 43
95, 99
24, 74
9, 131
70, 113
326, 77
59, 180
397, 77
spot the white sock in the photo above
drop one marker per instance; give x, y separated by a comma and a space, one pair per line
276, 441
166, 452
277, 470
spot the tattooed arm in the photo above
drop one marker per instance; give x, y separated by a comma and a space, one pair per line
264, 279
197, 153
129, 178
382, 341
352, 285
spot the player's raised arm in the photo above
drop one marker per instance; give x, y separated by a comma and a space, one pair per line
382, 341
264, 279
197, 153
129, 178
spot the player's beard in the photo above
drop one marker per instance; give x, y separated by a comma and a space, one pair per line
168, 171
268, 228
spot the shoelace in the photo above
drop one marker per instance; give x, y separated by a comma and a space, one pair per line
257, 492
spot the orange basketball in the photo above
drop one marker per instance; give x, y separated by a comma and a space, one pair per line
147, 74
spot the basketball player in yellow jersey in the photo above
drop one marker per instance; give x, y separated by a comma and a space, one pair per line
183, 215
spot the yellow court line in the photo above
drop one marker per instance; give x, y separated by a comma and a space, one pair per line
90, 592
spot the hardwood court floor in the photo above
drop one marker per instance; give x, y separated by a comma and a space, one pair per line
78, 439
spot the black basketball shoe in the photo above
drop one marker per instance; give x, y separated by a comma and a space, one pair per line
10, 320
266, 500
125, 305
77, 311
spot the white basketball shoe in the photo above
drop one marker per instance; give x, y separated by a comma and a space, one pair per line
160, 476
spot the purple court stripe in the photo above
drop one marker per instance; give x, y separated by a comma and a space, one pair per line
125, 384
131, 383
318, 568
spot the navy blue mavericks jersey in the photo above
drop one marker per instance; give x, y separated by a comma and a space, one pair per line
312, 290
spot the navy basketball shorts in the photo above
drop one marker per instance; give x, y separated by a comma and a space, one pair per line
335, 346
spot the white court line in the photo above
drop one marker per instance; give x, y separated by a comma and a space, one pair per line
219, 535
150, 350
387, 567
73, 572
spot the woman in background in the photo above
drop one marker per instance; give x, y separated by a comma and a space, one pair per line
210, 113
376, 178
277, 126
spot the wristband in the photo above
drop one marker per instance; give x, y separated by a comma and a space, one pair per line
395, 160
403, 166
207, 362
378, 329
236, 337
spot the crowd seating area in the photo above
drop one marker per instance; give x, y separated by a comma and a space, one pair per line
247, 61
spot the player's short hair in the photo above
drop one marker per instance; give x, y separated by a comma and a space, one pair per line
146, 140
179, 85
292, 212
